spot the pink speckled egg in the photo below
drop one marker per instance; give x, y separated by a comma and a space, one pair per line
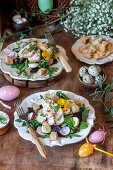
8, 93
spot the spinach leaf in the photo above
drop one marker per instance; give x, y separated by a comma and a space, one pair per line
83, 125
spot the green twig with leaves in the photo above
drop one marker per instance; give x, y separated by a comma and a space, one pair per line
101, 94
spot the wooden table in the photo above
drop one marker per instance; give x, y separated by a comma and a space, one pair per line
19, 154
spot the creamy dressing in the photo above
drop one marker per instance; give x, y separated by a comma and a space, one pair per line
6, 121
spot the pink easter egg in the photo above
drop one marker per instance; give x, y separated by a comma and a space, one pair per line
8, 93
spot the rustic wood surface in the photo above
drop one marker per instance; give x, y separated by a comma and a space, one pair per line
19, 154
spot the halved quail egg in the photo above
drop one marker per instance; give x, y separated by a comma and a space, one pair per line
33, 65
46, 128
83, 70
92, 70
76, 121
98, 79
88, 79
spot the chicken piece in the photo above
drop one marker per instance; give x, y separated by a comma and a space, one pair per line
48, 109
42, 46
85, 39
36, 107
51, 120
9, 60
101, 48
41, 116
81, 49
74, 108
108, 53
59, 117
41, 71
88, 56
85, 50
53, 136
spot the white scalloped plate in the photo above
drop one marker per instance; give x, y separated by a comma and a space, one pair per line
12, 71
61, 140
79, 56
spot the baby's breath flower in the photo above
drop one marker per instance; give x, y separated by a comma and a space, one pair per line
86, 17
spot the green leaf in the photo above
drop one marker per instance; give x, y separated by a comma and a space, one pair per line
57, 108
112, 111
85, 113
112, 81
28, 73
60, 117
60, 94
69, 121
83, 125
73, 135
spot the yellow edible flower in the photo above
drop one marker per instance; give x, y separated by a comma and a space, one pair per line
46, 55
63, 104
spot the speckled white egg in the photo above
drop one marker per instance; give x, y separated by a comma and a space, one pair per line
88, 79
98, 79
83, 70
24, 20
18, 21
92, 70
16, 17
98, 68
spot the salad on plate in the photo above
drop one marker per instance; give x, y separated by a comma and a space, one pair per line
57, 116
33, 57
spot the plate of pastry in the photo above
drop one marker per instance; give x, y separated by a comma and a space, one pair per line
31, 59
94, 49
58, 117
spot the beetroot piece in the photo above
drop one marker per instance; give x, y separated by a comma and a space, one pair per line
56, 129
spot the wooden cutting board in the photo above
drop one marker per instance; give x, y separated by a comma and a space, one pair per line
33, 84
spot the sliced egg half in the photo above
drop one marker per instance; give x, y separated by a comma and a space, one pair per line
76, 121
46, 128
33, 65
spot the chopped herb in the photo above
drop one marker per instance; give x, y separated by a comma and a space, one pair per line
3, 119
60, 117
48, 110
73, 135
24, 124
57, 108
43, 115
18, 120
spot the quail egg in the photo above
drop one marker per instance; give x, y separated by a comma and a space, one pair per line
16, 17
88, 79
18, 21
24, 20
83, 70
33, 65
92, 70
46, 128
98, 68
76, 121
98, 79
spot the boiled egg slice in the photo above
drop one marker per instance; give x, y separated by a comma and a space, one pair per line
76, 121
46, 128
33, 65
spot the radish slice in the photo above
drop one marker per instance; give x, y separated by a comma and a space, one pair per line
50, 61
13, 55
39, 131
31, 116
65, 131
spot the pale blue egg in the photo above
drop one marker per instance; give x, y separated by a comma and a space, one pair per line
45, 5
